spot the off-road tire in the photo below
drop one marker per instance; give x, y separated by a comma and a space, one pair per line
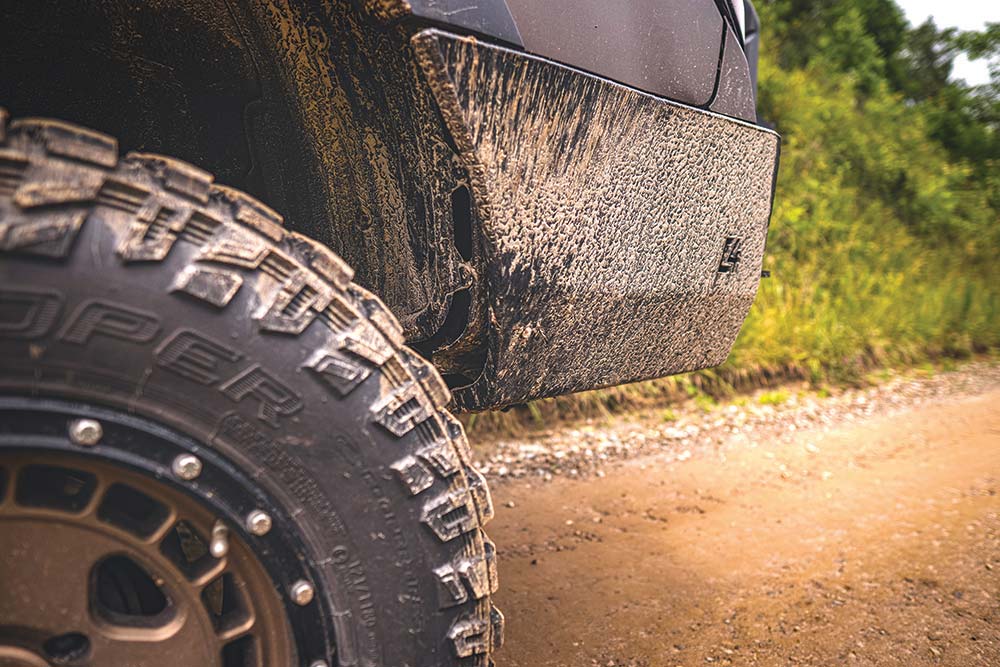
136, 283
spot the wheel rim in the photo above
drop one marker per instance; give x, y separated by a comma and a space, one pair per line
105, 562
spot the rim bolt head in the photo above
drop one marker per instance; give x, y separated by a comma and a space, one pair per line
259, 523
85, 432
219, 546
187, 466
320, 663
302, 592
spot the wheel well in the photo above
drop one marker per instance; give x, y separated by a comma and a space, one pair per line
317, 110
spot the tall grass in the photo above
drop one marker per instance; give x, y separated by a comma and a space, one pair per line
882, 252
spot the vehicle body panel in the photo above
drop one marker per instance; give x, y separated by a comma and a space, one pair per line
681, 50
624, 234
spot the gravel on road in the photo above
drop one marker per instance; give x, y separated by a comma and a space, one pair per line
679, 431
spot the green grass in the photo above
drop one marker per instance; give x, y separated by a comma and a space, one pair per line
776, 397
705, 402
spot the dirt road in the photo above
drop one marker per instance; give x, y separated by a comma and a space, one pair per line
872, 543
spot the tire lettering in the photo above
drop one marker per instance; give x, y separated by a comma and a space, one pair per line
194, 356
109, 319
27, 314
276, 400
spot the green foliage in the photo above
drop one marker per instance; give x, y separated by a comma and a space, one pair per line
705, 403
885, 229
776, 397
886, 224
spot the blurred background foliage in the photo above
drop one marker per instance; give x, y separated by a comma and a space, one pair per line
884, 239
884, 247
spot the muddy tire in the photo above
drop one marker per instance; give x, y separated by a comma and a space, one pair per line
136, 284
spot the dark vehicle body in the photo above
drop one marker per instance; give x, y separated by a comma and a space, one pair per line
550, 196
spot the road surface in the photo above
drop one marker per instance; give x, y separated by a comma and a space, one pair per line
875, 542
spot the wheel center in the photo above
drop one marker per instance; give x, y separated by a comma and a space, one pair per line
80, 576
102, 565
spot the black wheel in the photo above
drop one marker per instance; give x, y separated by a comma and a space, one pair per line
211, 440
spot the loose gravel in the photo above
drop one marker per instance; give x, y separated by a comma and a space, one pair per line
678, 432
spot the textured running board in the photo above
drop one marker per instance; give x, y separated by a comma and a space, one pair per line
624, 234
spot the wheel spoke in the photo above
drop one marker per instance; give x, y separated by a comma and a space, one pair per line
228, 634
95, 500
161, 531
181, 642
213, 572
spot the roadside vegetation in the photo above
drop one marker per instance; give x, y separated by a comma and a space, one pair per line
884, 248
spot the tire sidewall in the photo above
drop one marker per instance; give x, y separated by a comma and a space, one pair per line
326, 461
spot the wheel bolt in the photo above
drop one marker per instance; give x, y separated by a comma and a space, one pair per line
320, 663
219, 545
302, 592
85, 432
259, 523
187, 466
